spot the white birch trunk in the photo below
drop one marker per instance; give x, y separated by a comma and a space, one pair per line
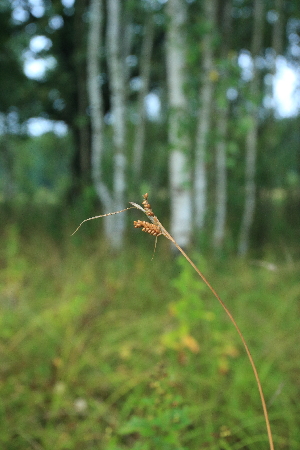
94, 45
145, 66
114, 226
221, 144
251, 139
204, 119
250, 188
117, 88
221, 181
179, 172
126, 44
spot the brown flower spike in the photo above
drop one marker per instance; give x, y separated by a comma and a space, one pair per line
151, 228
147, 227
156, 229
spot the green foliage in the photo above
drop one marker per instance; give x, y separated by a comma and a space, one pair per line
232, 152
195, 321
41, 168
160, 418
16, 94
189, 310
80, 343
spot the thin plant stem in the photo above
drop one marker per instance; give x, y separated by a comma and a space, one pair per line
262, 398
155, 228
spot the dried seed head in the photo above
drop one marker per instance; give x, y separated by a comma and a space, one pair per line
147, 227
146, 205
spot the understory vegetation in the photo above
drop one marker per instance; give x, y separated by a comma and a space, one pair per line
115, 351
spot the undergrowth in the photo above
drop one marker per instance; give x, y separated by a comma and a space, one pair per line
117, 353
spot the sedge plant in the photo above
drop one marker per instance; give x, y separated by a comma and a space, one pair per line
155, 228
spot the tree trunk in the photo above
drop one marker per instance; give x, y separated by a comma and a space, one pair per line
251, 139
126, 43
145, 67
112, 201
82, 123
179, 172
117, 92
221, 180
222, 126
95, 98
204, 117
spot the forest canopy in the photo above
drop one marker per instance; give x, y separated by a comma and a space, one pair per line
195, 101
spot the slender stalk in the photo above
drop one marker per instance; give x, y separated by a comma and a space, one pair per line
156, 229
161, 230
263, 402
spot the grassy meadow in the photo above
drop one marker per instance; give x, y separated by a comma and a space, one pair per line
117, 351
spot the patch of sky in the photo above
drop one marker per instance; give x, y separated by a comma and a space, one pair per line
56, 22
40, 43
37, 126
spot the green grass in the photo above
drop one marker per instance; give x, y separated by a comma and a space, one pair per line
112, 352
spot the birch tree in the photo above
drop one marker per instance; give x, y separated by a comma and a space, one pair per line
116, 70
94, 48
112, 200
222, 126
204, 116
179, 171
82, 125
251, 138
145, 66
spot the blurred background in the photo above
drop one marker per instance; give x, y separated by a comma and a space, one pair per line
196, 103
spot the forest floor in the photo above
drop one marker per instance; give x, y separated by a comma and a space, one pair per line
113, 352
